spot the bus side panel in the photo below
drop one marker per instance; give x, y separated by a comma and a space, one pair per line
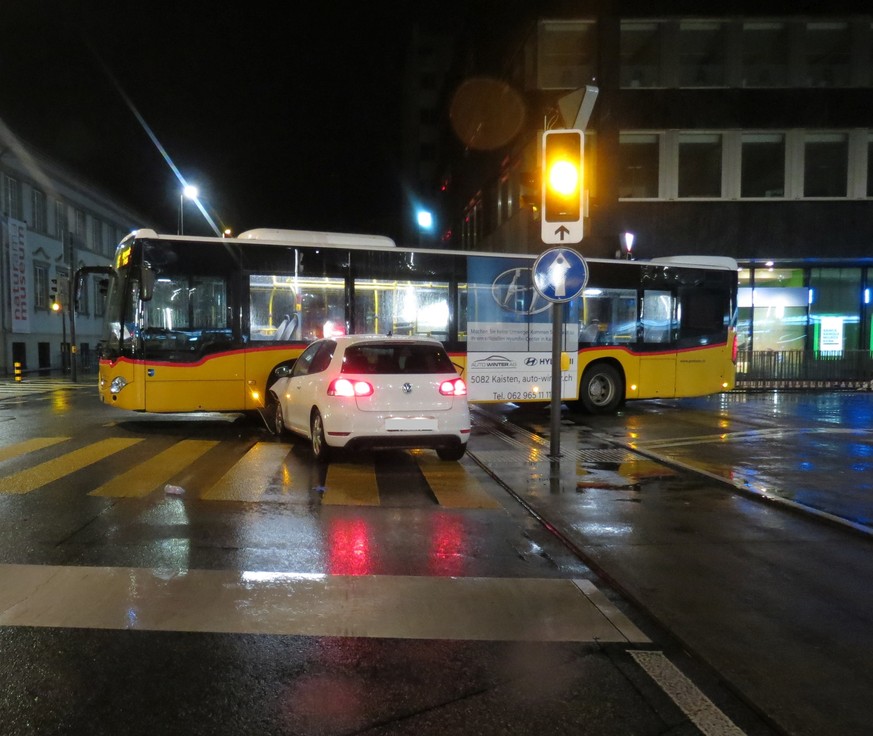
213, 384
657, 375
260, 362
705, 371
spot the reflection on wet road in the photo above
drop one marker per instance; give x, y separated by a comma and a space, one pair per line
812, 452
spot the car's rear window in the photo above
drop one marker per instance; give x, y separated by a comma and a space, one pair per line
384, 358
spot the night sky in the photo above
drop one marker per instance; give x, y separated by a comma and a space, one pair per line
284, 115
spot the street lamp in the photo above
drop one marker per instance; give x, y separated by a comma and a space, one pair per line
191, 193
628, 242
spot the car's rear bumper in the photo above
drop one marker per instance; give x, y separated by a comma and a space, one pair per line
400, 441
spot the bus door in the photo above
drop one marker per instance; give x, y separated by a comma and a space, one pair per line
191, 356
704, 356
657, 333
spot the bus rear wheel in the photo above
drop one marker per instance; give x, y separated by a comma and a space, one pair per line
602, 389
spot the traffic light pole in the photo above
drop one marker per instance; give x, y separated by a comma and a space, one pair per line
557, 330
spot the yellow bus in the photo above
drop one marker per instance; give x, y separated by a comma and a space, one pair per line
202, 324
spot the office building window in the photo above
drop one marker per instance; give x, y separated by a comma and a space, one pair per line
638, 165
60, 219
763, 165
825, 171
640, 54
702, 53
40, 285
828, 49
765, 55
699, 165
80, 224
835, 294
38, 211
12, 197
566, 54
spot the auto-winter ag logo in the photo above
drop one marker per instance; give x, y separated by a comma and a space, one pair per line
493, 361
513, 290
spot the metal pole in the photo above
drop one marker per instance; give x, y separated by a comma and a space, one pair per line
73, 350
557, 329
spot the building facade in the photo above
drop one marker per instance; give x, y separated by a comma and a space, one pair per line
713, 133
53, 222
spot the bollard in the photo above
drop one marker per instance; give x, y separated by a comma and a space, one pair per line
17, 370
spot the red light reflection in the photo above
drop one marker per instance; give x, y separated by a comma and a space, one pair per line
348, 551
448, 548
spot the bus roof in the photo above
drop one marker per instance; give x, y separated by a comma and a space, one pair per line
704, 261
314, 237
278, 236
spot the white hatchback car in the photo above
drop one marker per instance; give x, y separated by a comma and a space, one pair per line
373, 392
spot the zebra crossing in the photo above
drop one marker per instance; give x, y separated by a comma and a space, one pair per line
214, 471
37, 385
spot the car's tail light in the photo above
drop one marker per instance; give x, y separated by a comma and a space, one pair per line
735, 349
453, 387
349, 388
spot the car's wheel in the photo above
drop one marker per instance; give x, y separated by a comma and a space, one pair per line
455, 452
602, 389
276, 418
320, 448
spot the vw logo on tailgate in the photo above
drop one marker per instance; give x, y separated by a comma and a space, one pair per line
406, 388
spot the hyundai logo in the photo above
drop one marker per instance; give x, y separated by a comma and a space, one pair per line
406, 388
514, 291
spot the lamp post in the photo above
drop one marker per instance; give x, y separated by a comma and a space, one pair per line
628, 241
191, 193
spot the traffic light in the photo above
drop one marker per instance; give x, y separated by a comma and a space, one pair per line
562, 182
59, 291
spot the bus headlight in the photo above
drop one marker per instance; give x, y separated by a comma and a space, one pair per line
118, 383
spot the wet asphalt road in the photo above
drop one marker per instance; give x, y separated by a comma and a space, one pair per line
764, 575
758, 603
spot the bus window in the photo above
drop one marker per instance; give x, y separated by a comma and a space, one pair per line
402, 307
657, 316
704, 316
608, 316
186, 315
295, 307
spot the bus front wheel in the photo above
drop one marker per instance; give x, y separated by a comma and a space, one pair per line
602, 389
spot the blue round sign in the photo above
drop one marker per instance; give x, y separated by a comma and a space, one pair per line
560, 274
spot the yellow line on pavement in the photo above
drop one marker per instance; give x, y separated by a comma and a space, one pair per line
452, 484
350, 485
142, 479
249, 478
29, 480
31, 445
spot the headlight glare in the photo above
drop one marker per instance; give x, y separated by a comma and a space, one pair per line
118, 383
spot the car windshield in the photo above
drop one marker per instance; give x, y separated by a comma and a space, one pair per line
388, 358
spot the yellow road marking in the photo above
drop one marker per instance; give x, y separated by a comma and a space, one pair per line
452, 484
32, 445
142, 479
249, 478
350, 485
29, 480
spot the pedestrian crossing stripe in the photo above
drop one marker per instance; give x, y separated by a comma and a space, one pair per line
347, 486
25, 481
453, 485
32, 445
248, 478
144, 478
267, 472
